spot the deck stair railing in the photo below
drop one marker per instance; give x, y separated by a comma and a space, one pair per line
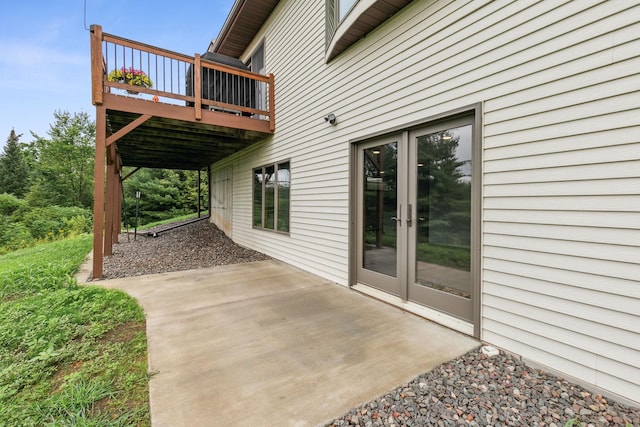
160, 75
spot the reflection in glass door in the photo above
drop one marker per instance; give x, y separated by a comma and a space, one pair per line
378, 213
443, 208
440, 242
380, 238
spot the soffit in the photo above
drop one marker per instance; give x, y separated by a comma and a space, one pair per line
241, 26
365, 16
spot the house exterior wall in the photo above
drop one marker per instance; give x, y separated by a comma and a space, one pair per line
559, 85
222, 199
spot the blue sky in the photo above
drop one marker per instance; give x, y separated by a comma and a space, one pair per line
45, 57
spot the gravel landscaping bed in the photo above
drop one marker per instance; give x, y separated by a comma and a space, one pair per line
475, 390
195, 245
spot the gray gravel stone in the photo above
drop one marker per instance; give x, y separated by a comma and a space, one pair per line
196, 245
474, 390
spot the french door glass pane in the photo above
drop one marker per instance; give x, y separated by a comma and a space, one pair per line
443, 227
257, 197
269, 196
379, 208
284, 183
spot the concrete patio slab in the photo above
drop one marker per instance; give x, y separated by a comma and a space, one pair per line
266, 344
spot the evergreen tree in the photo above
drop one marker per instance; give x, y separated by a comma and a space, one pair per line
14, 173
165, 193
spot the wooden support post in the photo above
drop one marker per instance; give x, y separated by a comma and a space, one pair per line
97, 71
199, 194
116, 199
110, 202
115, 230
197, 85
98, 191
272, 105
118, 225
209, 192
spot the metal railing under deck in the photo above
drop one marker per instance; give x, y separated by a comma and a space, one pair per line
124, 67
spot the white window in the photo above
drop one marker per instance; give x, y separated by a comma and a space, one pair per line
271, 190
344, 6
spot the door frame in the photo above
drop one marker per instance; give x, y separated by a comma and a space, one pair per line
476, 218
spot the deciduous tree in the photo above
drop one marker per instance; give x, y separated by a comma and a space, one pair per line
63, 165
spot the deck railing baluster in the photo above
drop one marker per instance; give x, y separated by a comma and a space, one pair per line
222, 88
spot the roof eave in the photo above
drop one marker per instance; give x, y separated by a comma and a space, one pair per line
242, 24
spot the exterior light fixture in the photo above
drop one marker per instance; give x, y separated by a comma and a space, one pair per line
376, 152
331, 118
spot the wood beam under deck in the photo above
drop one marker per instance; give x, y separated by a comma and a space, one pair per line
128, 128
164, 128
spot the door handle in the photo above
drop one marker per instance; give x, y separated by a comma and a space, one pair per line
398, 218
409, 215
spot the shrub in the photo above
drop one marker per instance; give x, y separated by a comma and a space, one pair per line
13, 235
77, 225
51, 222
10, 204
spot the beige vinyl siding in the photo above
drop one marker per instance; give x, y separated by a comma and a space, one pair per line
560, 89
318, 239
561, 263
222, 199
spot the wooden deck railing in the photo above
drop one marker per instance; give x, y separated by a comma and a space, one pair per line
177, 79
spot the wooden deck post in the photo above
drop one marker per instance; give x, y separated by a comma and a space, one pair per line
197, 87
209, 192
272, 105
118, 225
115, 219
98, 191
111, 200
97, 71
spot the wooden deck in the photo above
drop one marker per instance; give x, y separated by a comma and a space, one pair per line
176, 112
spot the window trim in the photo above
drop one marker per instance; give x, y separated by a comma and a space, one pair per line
276, 197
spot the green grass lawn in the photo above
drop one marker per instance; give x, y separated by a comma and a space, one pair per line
70, 355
